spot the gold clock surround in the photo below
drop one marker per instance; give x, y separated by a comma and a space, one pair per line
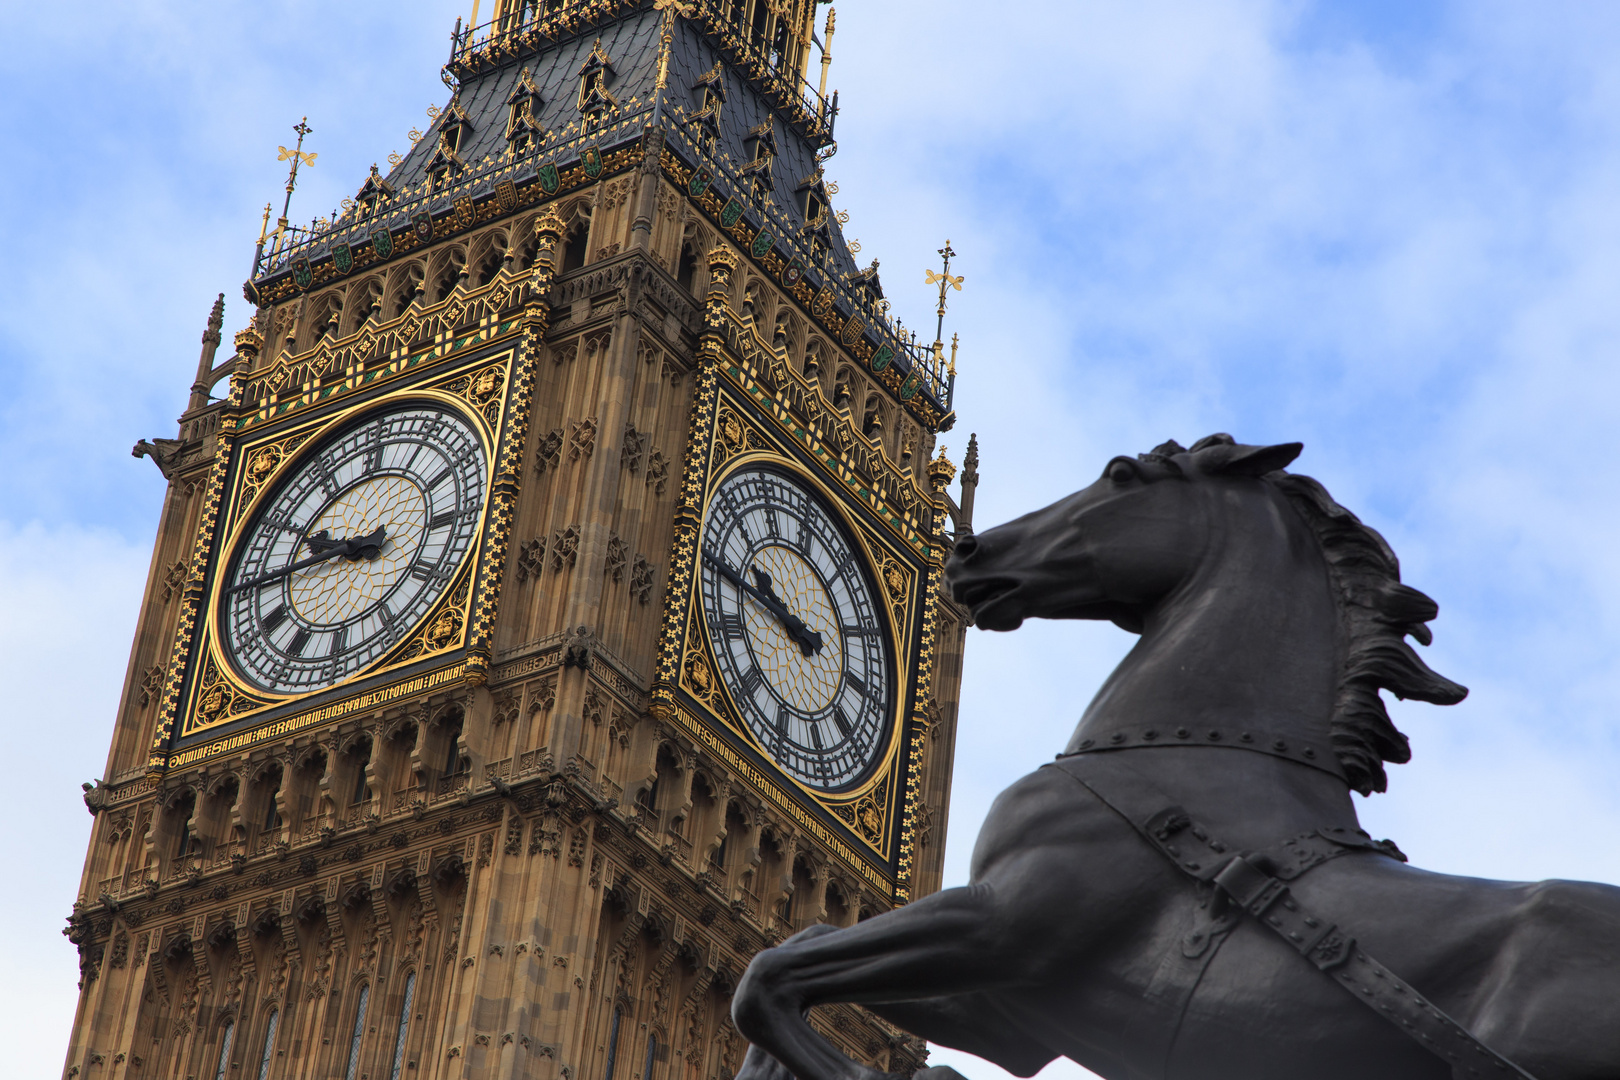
878, 816
217, 696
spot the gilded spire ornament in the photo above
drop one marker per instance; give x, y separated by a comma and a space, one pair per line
826, 51
946, 281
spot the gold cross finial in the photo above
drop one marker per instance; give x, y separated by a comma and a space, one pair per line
297, 156
946, 281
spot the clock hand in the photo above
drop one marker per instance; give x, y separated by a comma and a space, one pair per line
368, 546
809, 640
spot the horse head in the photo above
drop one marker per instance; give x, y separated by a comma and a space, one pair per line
1259, 599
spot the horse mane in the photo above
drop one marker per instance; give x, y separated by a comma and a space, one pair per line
1378, 614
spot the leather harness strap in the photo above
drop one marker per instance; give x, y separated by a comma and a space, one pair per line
1257, 883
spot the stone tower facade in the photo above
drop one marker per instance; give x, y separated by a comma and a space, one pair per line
549, 615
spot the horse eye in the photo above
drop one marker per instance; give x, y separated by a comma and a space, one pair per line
1121, 473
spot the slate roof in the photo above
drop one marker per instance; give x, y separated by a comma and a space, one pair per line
631, 44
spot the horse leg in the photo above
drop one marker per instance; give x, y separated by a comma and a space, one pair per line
952, 942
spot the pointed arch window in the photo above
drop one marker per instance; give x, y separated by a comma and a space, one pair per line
362, 790
269, 1044
353, 1071
595, 77
710, 92
523, 104
227, 1036
613, 1042
652, 1052
404, 1026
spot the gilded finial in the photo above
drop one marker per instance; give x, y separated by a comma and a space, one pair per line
248, 343
940, 471
826, 51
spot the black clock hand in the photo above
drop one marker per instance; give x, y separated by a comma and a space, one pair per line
369, 546
809, 640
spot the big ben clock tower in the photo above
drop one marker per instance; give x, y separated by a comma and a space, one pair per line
548, 617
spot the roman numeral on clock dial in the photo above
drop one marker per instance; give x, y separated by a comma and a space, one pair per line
409, 478
794, 627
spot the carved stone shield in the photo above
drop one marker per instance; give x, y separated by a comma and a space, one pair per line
342, 258
821, 307
882, 357
763, 243
301, 273
794, 272
853, 328
423, 225
700, 182
506, 195
591, 158
548, 178
909, 388
382, 242
731, 212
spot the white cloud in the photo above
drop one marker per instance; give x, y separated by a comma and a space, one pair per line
1281, 219
70, 598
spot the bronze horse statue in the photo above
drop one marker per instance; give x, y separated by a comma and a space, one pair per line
1185, 892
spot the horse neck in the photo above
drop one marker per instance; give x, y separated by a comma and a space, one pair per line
1248, 642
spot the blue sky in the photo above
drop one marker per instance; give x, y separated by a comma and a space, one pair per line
1389, 230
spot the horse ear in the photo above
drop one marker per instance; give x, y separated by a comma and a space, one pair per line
1258, 460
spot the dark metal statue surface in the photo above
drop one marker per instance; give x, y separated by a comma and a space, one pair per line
1221, 936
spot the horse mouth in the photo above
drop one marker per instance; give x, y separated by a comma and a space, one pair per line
975, 595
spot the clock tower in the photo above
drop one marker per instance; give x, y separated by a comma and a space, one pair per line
547, 616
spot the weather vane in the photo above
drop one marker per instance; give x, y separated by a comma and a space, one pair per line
297, 156
946, 281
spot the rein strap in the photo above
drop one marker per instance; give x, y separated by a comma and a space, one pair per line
1257, 882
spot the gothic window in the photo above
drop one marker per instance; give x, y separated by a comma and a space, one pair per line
837, 906
803, 893
710, 92
759, 25
574, 245
404, 1026
353, 1071
812, 193
361, 757
454, 129
523, 130
269, 1044
652, 1051
760, 146
779, 45
449, 731
613, 1043
595, 78
272, 814
373, 193
227, 1036
489, 268
686, 270
308, 778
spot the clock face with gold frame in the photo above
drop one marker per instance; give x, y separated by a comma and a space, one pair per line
349, 551
789, 611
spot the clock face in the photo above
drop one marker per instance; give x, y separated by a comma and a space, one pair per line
352, 549
790, 615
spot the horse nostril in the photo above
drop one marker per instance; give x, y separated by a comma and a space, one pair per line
966, 546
